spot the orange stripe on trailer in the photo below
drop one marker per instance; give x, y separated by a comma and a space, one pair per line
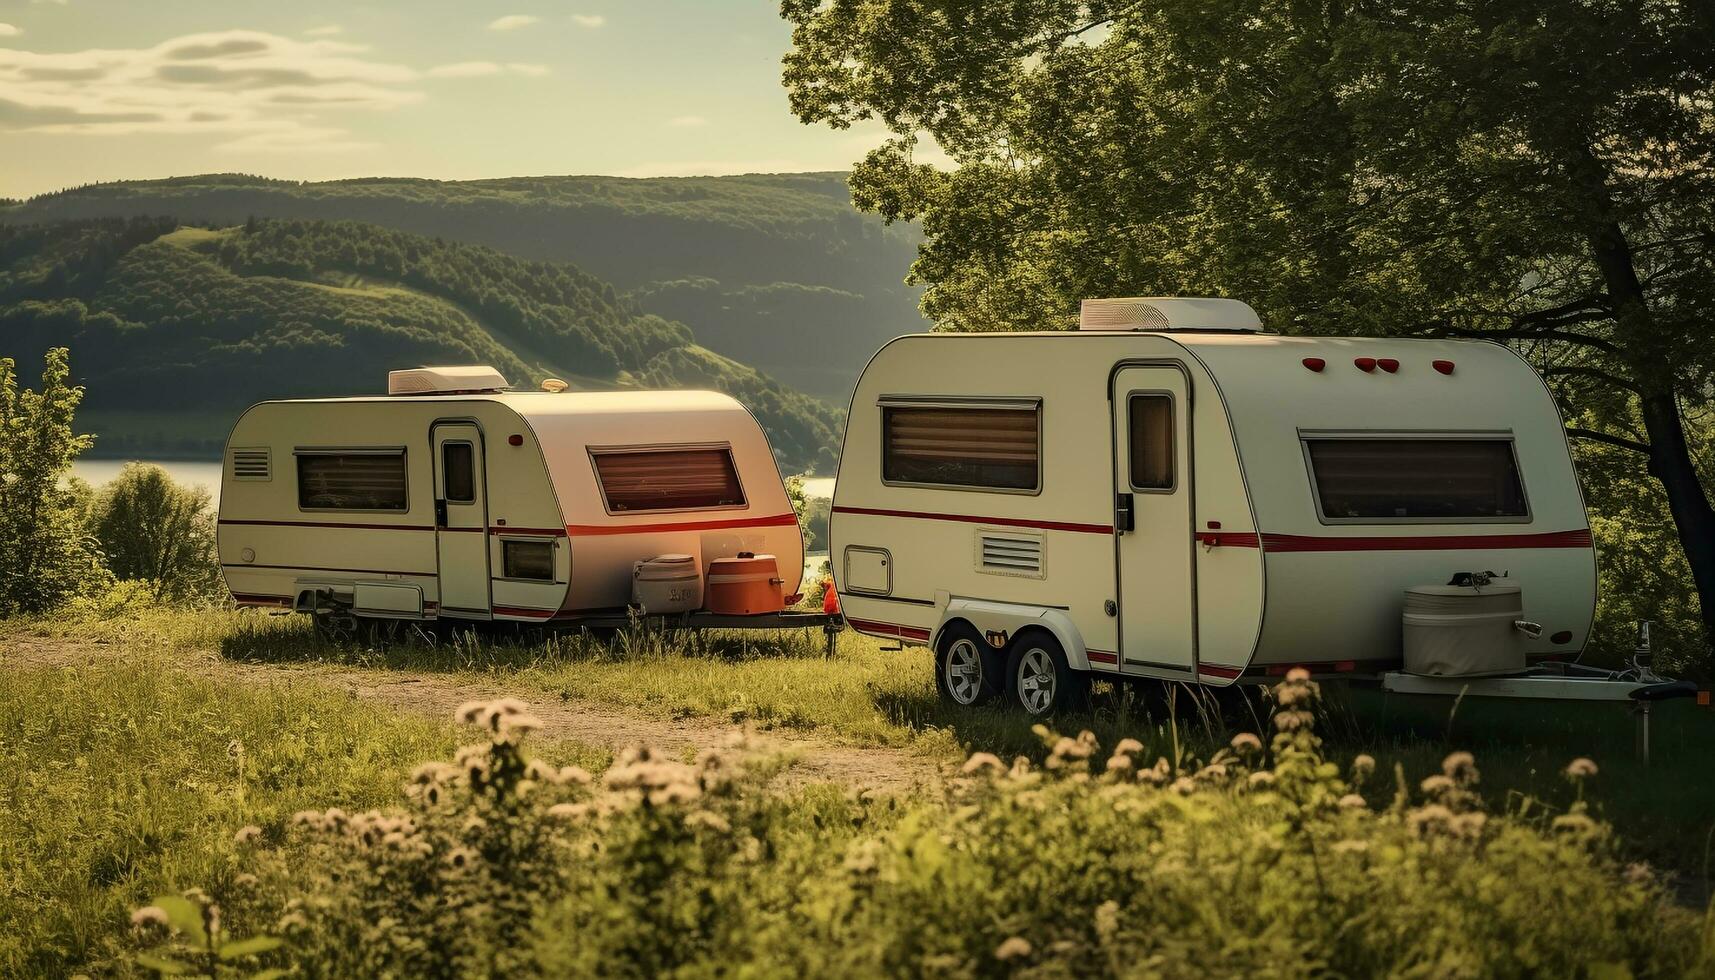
598, 530
888, 629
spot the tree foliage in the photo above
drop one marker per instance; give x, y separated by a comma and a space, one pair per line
1538, 173
45, 555
154, 530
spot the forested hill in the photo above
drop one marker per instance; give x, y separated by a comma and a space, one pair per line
775, 270
175, 328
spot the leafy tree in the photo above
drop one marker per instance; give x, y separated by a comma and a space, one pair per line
155, 530
1539, 172
45, 555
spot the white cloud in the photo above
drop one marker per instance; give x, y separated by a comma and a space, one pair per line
252, 89
591, 21
465, 69
326, 30
687, 122
523, 68
512, 22
8, 30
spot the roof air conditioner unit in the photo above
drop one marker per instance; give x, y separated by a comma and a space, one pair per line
1168, 313
458, 380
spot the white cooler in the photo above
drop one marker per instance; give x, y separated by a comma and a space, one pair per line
666, 584
1466, 630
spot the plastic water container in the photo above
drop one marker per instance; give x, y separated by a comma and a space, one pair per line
666, 584
1466, 630
745, 585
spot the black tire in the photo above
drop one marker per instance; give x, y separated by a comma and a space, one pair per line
1039, 678
967, 669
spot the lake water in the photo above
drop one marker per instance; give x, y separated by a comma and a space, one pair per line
197, 473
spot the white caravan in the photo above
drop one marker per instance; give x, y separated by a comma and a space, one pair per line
455, 498
1171, 493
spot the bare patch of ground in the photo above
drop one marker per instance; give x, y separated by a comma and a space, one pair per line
436, 695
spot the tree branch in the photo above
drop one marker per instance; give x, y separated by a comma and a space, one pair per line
1594, 374
1622, 442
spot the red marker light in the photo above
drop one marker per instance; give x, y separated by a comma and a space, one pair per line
1388, 364
1214, 525
1315, 363
1445, 367
1365, 363
515, 440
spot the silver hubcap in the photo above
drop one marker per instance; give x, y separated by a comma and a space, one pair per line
1036, 680
964, 666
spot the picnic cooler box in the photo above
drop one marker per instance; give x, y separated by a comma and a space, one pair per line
746, 585
666, 584
1466, 630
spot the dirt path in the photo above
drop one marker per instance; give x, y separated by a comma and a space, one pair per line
436, 695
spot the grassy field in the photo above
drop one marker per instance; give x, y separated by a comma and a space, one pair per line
127, 765
872, 695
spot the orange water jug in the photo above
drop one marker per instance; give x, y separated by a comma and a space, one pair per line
745, 585
830, 597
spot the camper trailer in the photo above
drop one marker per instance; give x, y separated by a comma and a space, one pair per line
1171, 492
455, 498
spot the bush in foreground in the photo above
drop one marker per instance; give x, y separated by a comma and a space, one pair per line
1253, 862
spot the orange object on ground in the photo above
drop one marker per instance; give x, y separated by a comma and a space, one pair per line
747, 585
830, 597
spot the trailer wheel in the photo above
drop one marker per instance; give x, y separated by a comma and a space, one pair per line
1041, 680
967, 670
335, 627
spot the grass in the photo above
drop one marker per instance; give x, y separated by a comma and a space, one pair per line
122, 776
872, 695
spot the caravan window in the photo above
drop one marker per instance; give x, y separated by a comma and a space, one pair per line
697, 478
1416, 479
1151, 442
984, 447
458, 472
352, 479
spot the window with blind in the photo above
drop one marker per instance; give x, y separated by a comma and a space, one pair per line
668, 479
980, 447
1416, 479
1151, 442
352, 480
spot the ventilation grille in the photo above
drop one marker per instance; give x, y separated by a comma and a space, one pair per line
251, 464
1009, 554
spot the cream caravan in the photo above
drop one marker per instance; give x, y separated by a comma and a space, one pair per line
1172, 493
455, 498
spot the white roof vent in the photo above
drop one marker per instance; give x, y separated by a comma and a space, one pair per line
1168, 313
458, 380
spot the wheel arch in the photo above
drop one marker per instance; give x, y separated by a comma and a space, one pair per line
986, 616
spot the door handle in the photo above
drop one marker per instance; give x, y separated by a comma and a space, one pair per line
440, 513
1125, 517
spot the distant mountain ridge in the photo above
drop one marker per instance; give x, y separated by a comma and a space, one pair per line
174, 327
774, 270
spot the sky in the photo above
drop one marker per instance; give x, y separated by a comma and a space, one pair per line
94, 90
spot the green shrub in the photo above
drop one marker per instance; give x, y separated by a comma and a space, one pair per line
1251, 862
156, 531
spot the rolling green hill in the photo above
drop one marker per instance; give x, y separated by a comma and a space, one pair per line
174, 328
777, 271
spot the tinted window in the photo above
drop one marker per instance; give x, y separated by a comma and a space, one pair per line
352, 481
987, 448
1151, 442
528, 559
668, 479
1416, 479
458, 469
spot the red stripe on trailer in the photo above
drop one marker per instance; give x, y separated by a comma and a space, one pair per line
357, 527
548, 532
888, 629
1219, 670
315, 568
1227, 539
972, 519
1102, 657
597, 530
524, 612
1429, 542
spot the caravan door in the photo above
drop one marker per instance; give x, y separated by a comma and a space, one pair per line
1154, 557
461, 519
